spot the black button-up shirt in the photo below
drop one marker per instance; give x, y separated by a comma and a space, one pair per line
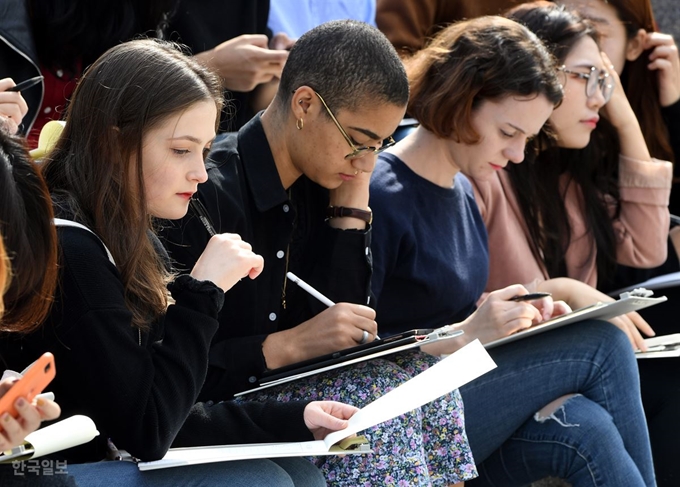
244, 195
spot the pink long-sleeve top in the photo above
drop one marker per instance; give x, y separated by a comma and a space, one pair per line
641, 227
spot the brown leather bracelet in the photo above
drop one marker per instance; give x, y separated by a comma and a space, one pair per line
342, 211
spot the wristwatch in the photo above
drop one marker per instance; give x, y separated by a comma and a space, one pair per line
342, 211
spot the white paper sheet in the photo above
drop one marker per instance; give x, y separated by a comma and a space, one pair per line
450, 373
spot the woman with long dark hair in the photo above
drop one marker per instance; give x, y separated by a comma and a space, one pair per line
131, 341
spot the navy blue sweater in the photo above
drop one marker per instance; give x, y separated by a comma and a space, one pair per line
430, 255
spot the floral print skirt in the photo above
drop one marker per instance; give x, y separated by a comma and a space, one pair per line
425, 447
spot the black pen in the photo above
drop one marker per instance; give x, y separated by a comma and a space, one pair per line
202, 215
530, 296
26, 84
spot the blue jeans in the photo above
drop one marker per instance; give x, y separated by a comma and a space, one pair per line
280, 472
597, 438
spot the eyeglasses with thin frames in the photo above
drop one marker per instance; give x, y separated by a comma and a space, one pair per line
360, 151
594, 80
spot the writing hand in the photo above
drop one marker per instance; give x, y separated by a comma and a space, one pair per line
339, 327
497, 317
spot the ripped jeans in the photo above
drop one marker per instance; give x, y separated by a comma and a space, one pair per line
596, 438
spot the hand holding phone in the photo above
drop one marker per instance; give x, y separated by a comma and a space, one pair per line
29, 385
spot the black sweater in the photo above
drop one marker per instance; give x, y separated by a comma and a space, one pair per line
141, 396
288, 228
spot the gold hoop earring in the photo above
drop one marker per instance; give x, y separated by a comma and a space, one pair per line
300, 123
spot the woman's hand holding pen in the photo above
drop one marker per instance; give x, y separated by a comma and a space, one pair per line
336, 328
498, 316
226, 260
12, 105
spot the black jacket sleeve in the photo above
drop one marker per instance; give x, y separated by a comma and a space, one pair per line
140, 395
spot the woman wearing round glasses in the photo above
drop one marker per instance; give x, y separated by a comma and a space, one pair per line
581, 209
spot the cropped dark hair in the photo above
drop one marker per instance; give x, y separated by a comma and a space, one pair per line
95, 170
29, 238
486, 58
348, 62
548, 170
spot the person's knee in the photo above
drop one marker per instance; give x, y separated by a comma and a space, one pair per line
605, 332
614, 348
302, 472
581, 423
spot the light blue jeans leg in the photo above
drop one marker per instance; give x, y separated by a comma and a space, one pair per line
591, 358
578, 443
246, 473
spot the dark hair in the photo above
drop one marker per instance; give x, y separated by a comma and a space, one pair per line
486, 58
29, 238
540, 183
640, 84
348, 62
73, 33
95, 170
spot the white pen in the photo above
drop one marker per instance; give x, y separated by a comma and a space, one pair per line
310, 289
314, 292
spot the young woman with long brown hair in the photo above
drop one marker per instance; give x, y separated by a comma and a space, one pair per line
132, 353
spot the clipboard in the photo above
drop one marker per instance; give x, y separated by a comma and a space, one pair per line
658, 282
630, 301
361, 353
664, 346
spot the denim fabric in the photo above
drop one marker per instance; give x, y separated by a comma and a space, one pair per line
283, 472
596, 439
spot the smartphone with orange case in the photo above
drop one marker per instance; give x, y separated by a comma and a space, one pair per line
30, 384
